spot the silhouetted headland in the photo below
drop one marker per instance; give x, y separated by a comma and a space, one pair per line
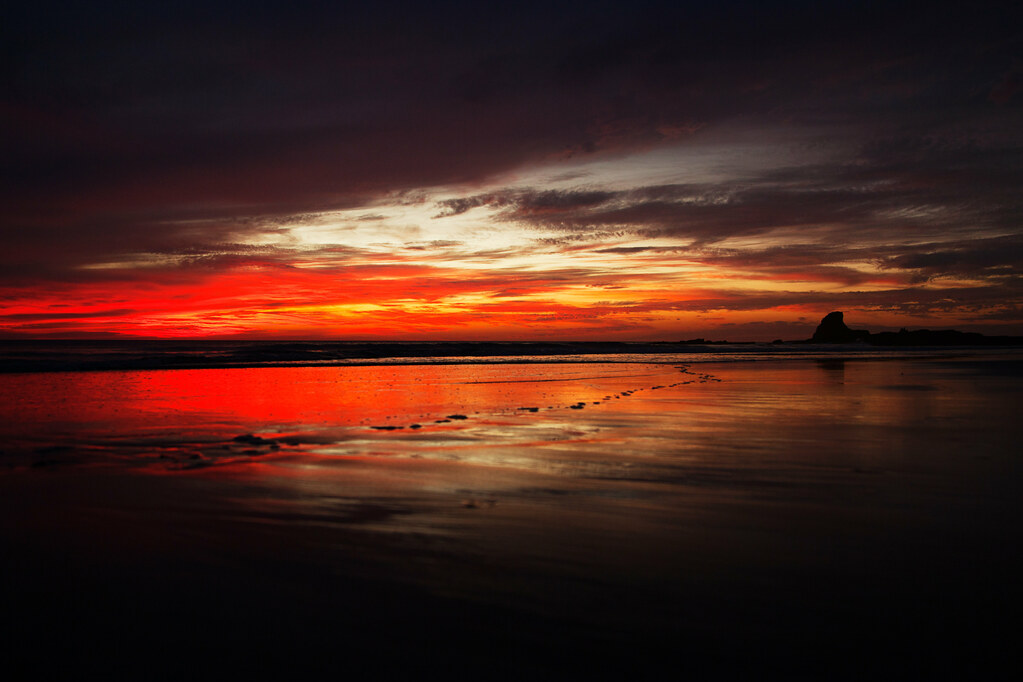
832, 329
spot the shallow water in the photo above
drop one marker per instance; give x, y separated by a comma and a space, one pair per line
784, 513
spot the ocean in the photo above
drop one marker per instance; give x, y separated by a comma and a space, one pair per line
510, 510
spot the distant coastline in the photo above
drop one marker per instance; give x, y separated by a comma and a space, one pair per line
62, 355
832, 329
84, 356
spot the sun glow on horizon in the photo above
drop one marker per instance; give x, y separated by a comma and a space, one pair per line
601, 248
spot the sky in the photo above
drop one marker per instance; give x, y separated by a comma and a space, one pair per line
528, 171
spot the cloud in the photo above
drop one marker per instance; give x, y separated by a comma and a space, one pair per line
995, 258
33, 317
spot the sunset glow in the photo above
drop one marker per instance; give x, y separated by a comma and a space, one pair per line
502, 194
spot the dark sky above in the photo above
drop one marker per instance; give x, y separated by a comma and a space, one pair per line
637, 170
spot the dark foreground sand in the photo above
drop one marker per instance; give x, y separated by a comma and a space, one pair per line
816, 519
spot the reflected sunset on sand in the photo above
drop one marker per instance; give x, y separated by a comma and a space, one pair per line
752, 504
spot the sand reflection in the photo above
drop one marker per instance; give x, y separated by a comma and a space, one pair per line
758, 507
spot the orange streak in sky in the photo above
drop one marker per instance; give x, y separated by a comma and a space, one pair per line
394, 300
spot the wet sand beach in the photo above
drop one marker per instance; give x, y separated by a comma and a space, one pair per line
809, 517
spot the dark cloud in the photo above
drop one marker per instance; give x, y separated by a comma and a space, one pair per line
32, 317
629, 250
276, 103
959, 190
529, 202
992, 258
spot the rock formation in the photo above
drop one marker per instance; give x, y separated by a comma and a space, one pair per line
832, 329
